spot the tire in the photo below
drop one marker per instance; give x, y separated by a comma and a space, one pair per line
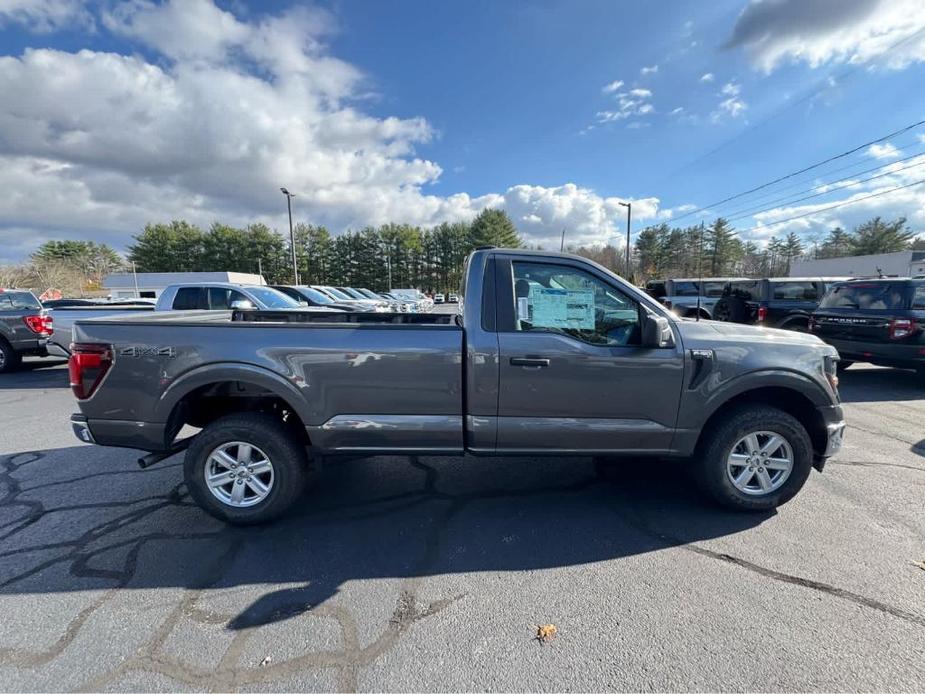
10, 359
269, 439
841, 365
715, 475
730, 309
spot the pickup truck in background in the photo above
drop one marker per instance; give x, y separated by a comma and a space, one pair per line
680, 295
25, 327
551, 355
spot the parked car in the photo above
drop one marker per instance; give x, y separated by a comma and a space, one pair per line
25, 327
879, 321
407, 305
393, 304
453, 299
424, 303
775, 302
439, 298
314, 298
681, 295
555, 355
343, 297
656, 289
222, 296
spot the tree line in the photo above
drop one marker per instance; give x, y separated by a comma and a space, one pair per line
402, 255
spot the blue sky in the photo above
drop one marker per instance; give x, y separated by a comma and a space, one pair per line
122, 113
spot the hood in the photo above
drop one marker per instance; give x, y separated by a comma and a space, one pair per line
707, 332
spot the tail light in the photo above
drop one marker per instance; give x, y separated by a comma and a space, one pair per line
901, 327
87, 366
40, 325
762, 313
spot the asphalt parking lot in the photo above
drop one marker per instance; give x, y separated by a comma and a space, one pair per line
433, 574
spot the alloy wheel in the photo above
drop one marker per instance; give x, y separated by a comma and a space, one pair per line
239, 474
760, 462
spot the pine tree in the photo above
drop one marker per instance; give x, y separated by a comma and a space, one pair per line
494, 228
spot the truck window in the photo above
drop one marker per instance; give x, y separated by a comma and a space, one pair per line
713, 289
795, 291
18, 301
747, 291
220, 298
190, 299
559, 298
683, 289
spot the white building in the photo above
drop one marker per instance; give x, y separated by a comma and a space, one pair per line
901, 264
150, 284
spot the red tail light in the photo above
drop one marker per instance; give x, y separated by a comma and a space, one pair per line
41, 325
762, 313
87, 366
901, 327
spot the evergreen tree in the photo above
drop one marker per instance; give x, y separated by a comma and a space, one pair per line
173, 247
877, 236
493, 227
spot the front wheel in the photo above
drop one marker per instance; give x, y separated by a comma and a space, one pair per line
9, 358
755, 459
246, 469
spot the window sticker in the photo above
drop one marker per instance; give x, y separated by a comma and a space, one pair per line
563, 308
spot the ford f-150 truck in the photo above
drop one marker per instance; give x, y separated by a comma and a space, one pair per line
551, 355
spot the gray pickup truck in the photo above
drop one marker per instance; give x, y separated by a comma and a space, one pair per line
552, 355
25, 327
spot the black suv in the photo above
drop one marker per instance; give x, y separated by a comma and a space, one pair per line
879, 321
775, 302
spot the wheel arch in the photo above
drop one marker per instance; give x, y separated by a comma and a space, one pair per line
215, 390
787, 398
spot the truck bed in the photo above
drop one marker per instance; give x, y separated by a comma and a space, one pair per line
393, 382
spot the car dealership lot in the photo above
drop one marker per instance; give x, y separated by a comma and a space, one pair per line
434, 573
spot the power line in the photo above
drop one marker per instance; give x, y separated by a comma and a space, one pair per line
763, 198
832, 207
804, 170
776, 203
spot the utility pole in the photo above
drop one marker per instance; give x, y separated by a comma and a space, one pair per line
260, 267
562, 245
135, 278
629, 222
295, 267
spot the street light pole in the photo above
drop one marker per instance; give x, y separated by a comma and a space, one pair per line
629, 221
295, 268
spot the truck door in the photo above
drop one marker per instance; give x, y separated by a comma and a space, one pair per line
573, 374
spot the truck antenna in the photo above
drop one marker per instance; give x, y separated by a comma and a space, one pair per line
699, 270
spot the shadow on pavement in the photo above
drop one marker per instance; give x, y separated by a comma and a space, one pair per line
384, 517
877, 385
36, 374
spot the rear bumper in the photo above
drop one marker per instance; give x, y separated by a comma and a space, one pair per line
145, 436
903, 355
56, 350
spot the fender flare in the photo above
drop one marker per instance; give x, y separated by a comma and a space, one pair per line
223, 372
767, 378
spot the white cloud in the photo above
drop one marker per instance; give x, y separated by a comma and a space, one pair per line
883, 151
42, 16
731, 89
612, 87
632, 103
824, 31
226, 112
541, 213
651, 70
707, 77
677, 111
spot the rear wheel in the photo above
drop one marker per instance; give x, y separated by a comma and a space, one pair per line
755, 459
9, 358
246, 469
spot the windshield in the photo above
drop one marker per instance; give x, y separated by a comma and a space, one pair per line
350, 291
337, 294
870, 296
370, 294
18, 300
271, 298
315, 295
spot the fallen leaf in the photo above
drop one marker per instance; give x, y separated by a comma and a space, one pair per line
546, 632
265, 661
920, 564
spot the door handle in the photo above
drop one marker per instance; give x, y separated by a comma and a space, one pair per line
529, 361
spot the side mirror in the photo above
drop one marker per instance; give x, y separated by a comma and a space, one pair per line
240, 304
656, 332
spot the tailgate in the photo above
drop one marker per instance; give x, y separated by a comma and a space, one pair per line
850, 325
